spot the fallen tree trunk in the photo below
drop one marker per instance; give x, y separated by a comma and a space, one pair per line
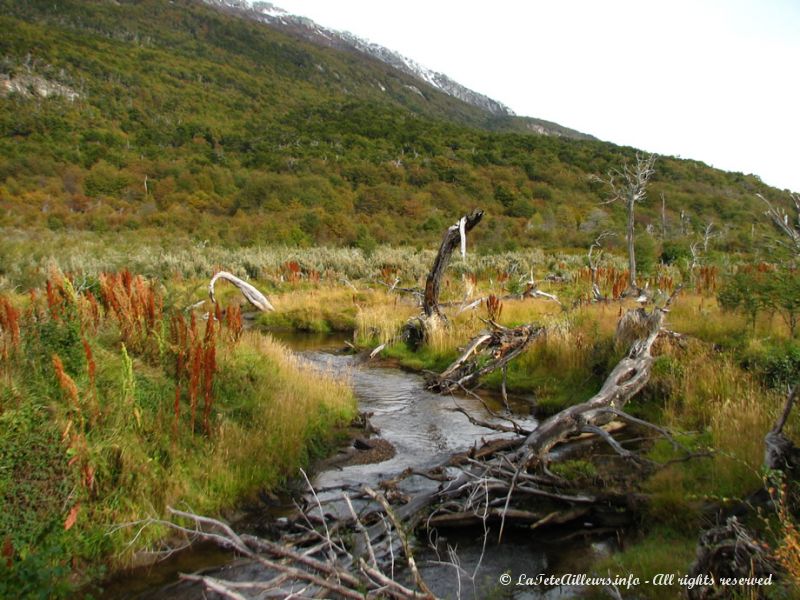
489, 351
625, 381
253, 296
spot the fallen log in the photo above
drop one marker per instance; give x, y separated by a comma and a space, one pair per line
252, 295
487, 352
625, 381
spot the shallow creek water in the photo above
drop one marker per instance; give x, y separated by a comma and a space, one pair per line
424, 431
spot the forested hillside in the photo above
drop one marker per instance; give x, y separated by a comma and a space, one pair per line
175, 117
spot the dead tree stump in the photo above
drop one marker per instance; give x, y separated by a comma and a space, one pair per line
419, 328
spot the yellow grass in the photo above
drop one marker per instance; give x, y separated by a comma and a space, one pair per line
381, 321
273, 414
294, 405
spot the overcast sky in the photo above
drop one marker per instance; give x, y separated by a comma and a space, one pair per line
713, 80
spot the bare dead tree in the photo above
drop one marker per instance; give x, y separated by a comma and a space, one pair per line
686, 223
788, 226
694, 248
629, 186
419, 328
663, 217
708, 235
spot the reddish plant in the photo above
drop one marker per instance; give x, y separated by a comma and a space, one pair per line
66, 383
196, 365
233, 320
9, 327
707, 279
8, 551
136, 306
56, 295
195, 370
210, 366
179, 336
494, 306
92, 372
292, 271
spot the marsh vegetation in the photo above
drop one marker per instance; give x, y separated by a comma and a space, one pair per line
119, 402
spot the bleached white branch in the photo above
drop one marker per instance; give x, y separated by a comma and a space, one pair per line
253, 296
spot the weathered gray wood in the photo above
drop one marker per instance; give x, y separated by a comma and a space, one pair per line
487, 352
779, 450
253, 296
453, 237
626, 380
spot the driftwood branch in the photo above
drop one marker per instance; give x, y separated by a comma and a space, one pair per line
487, 352
252, 295
325, 568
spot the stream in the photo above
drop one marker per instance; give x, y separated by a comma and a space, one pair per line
424, 431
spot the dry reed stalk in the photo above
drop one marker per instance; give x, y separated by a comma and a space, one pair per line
9, 328
92, 372
180, 333
209, 367
195, 368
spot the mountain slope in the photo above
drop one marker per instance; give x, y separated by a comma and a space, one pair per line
270, 14
173, 116
500, 117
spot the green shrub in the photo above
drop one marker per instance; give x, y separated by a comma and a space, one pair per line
778, 364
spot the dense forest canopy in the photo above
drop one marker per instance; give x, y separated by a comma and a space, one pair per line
174, 116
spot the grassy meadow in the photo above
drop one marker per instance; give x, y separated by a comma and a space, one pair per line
117, 401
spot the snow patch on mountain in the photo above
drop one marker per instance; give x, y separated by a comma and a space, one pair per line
267, 12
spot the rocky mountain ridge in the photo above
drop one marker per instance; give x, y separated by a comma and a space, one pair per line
308, 29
